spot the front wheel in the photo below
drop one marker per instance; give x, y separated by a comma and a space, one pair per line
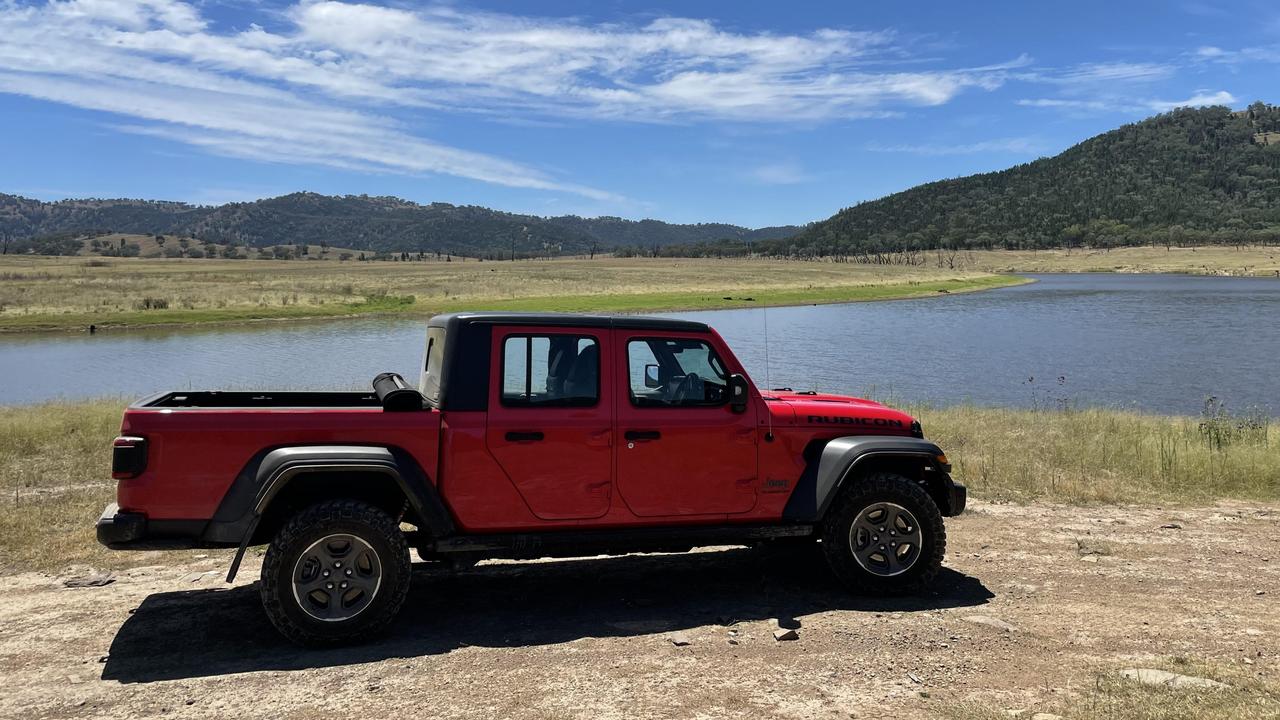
336, 573
884, 535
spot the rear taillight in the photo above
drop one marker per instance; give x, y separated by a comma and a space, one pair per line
128, 457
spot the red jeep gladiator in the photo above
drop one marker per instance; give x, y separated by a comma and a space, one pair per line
531, 435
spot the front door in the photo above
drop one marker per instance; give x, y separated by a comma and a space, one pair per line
551, 419
680, 449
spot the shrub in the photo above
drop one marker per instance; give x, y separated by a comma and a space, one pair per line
151, 303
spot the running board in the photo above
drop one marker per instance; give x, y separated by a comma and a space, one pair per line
578, 543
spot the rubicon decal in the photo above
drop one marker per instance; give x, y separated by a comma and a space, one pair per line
877, 422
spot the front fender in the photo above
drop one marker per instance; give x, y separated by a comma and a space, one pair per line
825, 474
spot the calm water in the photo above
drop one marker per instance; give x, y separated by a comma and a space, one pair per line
1153, 342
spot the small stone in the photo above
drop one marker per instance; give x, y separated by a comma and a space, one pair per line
1171, 526
915, 678
733, 641
1046, 716
1151, 676
989, 622
1260, 592
1089, 558
90, 580
680, 640
784, 634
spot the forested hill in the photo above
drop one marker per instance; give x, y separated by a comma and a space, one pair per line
360, 222
1209, 175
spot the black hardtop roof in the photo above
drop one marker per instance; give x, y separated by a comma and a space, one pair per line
626, 322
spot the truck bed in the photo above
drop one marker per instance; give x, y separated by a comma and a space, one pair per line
218, 399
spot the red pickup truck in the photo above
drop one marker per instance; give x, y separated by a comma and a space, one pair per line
530, 435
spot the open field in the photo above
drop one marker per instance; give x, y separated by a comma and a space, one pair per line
40, 293
1246, 261
1179, 573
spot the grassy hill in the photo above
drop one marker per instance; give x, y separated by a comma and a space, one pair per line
358, 222
1191, 176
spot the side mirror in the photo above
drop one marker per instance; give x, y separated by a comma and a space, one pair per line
652, 376
738, 393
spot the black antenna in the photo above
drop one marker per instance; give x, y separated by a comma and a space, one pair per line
768, 435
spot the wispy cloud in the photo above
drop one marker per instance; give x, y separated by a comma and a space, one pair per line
1259, 54
344, 83
1011, 146
1200, 99
1132, 105
783, 173
1113, 72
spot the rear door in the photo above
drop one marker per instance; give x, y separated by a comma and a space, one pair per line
680, 449
550, 418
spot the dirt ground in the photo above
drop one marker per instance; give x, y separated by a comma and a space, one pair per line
1082, 589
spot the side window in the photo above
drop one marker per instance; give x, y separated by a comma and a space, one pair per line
550, 371
675, 372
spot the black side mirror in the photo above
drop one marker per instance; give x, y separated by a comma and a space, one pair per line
652, 376
738, 393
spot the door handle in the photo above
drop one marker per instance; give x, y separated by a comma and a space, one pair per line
524, 436
642, 435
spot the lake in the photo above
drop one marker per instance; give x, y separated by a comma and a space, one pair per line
1160, 343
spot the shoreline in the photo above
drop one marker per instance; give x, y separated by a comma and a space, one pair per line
625, 303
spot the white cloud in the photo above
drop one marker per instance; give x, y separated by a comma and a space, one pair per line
1129, 105
1066, 103
342, 83
1114, 72
1013, 146
784, 173
1260, 53
1200, 99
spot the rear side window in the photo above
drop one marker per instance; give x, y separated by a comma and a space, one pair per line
550, 371
433, 365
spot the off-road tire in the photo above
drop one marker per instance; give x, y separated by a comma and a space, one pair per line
861, 493
350, 517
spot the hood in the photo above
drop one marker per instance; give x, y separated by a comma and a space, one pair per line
857, 415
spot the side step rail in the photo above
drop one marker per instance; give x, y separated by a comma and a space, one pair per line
570, 543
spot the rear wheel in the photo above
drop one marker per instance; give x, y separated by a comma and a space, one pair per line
336, 573
884, 535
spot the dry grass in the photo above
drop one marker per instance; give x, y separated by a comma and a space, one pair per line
45, 293
1113, 697
1254, 261
1107, 456
54, 462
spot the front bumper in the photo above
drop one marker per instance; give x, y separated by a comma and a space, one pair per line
133, 531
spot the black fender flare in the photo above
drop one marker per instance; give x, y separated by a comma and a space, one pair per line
826, 473
270, 471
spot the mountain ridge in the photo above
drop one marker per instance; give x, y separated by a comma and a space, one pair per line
361, 222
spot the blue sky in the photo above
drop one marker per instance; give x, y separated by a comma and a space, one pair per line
751, 113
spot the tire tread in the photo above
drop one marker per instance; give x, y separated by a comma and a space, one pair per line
857, 493
325, 513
